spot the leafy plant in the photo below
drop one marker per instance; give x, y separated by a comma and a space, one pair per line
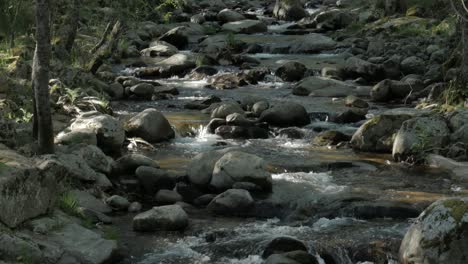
67, 203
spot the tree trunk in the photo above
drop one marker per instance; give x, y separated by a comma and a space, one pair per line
74, 19
40, 78
106, 50
464, 62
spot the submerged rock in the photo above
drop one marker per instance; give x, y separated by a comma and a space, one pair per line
282, 245
165, 218
439, 235
322, 86
246, 27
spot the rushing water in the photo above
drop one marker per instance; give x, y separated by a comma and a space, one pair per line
313, 186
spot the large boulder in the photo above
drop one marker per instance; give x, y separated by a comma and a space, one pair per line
150, 125
387, 90
26, 191
439, 235
289, 10
234, 202
291, 71
286, 114
377, 134
226, 109
239, 166
152, 179
322, 86
283, 244
246, 27
228, 15
130, 162
418, 136
333, 19
108, 130
177, 36
164, 218
200, 170
311, 43
413, 64
178, 64
356, 67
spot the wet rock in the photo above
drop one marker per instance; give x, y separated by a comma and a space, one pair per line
189, 191
143, 90
177, 36
85, 136
292, 257
418, 135
108, 130
245, 27
202, 72
381, 209
458, 119
321, 86
218, 43
165, 197
165, 218
197, 19
228, 15
115, 90
150, 125
439, 234
291, 132
330, 137
282, 245
291, 71
72, 165
130, 162
94, 157
152, 179
214, 124
387, 90
159, 48
285, 114
259, 107
227, 171
229, 81
226, 109
94, 216
201, 168
118, 202
377, 134
334, 19
232, 132
353, 101
176, 65
351, 115
289, 10
310, 44
233, 202
237, 119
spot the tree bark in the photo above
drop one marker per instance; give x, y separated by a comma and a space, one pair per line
74, 19
40, 79
107, 49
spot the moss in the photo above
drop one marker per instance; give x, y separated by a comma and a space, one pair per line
458, 209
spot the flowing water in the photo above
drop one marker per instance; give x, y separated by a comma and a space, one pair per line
347, 207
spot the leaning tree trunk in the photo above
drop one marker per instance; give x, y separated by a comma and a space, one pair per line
105, 51
40, 79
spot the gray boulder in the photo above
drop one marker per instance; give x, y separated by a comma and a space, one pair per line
439, 234
234, 202
159, 48
418, 136
322, 86
285, 114
118, 202
177, 36
377, 134
108, 130
164, 197
226, 109
291, 71
164, 218
200, 170
130, 162
239, 166
150, 125
152, 179
228, 15
413, 64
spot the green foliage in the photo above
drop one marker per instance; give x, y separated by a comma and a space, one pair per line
456, 93
111, 233
68, 204
16, 18
422, 147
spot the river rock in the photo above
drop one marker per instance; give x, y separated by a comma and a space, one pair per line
150, 125
130, 162
458, 119
232, 132
245, 27
353, 101
291, 71
108, 130
418, 135
289, 10
233, 202
164, 197
227, 171
389, 89
26, 191
143, 90
118, 202
165, 218
200, 170
215, 123
331, 137
356, 67
177, 36
87, 200
286, 114
292, 257
310, 44
94, 157
259, 107
159, 48
228, 15
377, 134
334, 19
438, 235
135, 207
322, 86
413, 64
152, 179
283, 244
226, 109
